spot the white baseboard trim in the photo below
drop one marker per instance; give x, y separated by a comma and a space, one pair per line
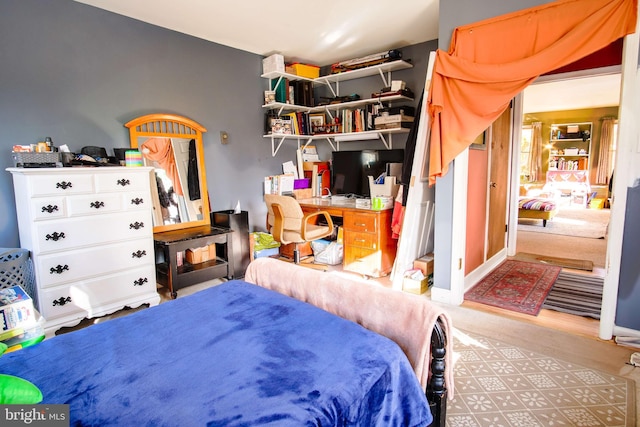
621, 331
444, 296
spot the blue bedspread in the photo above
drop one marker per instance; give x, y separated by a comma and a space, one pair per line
232, 355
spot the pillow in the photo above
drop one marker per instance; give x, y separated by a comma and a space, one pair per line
14, 390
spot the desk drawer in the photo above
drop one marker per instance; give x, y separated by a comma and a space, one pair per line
361, 240
363, 261
363, 222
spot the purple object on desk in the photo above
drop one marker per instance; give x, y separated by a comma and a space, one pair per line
301, 183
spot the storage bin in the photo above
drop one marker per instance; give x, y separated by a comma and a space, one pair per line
25, 160
389, 188
305, 70
273, 63
15, 269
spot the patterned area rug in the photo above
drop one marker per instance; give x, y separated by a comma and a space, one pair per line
516, 285
499, 384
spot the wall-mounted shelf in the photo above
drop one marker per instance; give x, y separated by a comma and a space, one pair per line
334, 139
567, 136
332, 81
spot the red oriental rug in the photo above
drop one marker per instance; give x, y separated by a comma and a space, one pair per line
518, 286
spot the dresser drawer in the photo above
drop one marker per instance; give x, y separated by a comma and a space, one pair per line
361, 240
57, 235
60, 183
87, 296
364, 222
94, 204
77, 264
122, 179
137, 200
43, 208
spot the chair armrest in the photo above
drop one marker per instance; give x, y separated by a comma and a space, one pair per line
312, 218
277, 229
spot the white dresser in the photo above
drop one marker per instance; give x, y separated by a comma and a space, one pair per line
90, 233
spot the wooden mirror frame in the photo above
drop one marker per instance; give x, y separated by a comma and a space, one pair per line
173, 126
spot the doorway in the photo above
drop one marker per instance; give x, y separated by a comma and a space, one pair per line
576, 100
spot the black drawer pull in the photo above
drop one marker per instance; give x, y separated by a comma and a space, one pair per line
61, 301
55, 236
59, 269
141, 281
137, 225
64, 185
138, 254
97, 204
137, 201
49, 208
124, 182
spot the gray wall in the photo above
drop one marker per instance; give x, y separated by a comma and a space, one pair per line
78, 74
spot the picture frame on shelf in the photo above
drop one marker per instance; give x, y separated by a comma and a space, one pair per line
317, 121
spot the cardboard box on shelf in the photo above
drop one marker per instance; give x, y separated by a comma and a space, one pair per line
16, 309
203, 254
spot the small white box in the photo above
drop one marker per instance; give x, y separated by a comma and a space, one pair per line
273, 63
570, 151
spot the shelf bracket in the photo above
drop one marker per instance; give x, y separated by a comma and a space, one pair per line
335, 147
274, 149
386, 143
309, 140
385, 81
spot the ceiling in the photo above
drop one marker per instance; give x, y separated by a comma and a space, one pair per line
318, 33
573, 94
322, 33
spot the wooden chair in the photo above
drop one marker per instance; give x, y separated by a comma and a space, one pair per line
288, 224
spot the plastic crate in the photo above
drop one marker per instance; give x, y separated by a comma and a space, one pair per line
15, 269
51, 158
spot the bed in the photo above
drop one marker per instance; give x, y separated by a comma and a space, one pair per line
536, 208
238, 354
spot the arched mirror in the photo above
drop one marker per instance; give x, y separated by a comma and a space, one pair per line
172, 144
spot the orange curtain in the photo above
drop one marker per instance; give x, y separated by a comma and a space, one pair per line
160, 150
491, 61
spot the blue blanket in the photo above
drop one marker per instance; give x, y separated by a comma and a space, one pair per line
232, 355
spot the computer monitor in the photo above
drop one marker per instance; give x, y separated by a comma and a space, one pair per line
350, 169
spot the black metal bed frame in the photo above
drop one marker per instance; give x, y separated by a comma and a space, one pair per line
436, 390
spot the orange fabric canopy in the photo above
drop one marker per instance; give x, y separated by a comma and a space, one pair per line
491, 61
160, 150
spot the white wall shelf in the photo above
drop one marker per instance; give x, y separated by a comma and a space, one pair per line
332, 81
334, 139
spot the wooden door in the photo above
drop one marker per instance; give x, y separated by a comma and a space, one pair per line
499, 145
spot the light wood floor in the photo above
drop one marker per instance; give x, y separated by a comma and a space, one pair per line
562, 246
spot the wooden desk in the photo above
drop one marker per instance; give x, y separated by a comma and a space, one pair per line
369, 248
169, 243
